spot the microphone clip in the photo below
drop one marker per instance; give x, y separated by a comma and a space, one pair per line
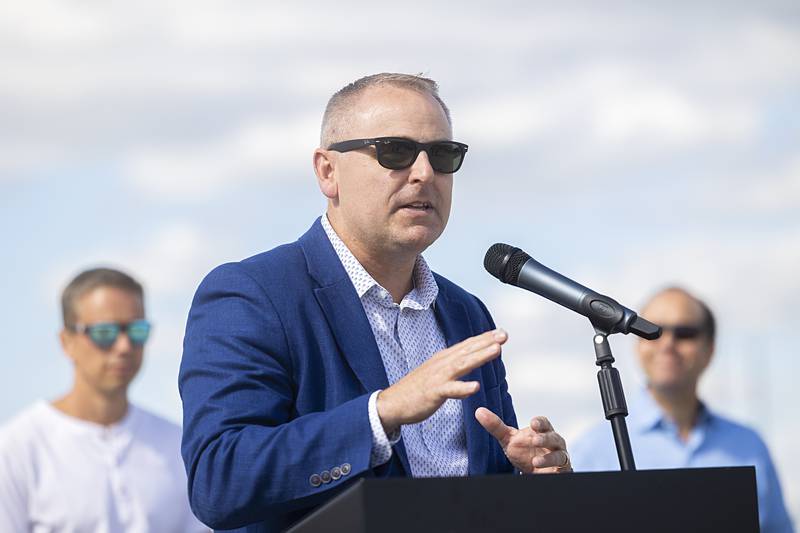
609, 317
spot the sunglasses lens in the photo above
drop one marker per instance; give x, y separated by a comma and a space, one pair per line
446, 157
686, 332
138, 332
104, 335
396, 154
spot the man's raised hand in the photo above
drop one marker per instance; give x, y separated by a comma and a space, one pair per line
422, 391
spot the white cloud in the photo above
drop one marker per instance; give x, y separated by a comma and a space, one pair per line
764, 191
257, 151
168, 92
752, 279
749, 277
170, 261
606, 109
46, 23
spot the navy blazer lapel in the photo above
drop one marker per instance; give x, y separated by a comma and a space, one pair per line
342, 308
353, 333
456, 327
345, 314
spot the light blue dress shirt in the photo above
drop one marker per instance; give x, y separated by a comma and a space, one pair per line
714, 441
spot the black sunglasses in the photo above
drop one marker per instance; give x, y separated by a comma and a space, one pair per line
396, 153
684, 331
104, 334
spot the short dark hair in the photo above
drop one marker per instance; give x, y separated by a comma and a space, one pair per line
87, 281
709, 323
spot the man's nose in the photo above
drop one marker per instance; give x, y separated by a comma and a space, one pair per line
421, 170
666, 338
123, 342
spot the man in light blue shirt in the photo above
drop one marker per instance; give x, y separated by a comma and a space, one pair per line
670, 427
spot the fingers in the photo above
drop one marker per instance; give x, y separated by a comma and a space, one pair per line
478, 342
475, 351
476, 358
545, 436
545, 439
540, 424
550, 440
422, 391
460, 389
555, 461
494, 425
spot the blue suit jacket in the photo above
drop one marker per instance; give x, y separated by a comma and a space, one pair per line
279, 361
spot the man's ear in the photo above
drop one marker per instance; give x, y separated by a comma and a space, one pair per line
325, 169
711, 346
67, 339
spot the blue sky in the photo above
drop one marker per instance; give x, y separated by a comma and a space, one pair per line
626, 146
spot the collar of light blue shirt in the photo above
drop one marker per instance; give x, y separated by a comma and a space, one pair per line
646, 415
422, 295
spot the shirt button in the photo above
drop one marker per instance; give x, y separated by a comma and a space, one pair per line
315, 480
346, 469
336, 472
326, 476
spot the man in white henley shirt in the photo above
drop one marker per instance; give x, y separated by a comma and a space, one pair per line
90, 461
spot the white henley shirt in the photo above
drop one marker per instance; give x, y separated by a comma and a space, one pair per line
61, 474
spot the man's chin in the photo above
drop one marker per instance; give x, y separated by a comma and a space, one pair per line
417, 239
670, 386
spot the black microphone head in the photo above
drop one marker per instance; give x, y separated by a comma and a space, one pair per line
504, 262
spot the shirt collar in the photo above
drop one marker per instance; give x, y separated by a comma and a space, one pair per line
77, 425
648, 415
422, 295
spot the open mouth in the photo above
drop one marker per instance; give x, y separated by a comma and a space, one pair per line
418, 206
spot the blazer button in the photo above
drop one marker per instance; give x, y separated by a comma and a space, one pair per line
336, 472
315, 480
326, 476
346, 469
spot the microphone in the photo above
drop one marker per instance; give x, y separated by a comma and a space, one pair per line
513, 266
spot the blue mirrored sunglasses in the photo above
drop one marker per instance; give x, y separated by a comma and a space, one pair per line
104, 334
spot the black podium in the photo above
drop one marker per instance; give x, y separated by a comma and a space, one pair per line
644, 501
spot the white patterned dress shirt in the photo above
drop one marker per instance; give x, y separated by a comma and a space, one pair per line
408, 334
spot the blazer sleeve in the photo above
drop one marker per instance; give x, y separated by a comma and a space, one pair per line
247, 454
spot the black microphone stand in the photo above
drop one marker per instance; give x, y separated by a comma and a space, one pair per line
609, 317
613, 399
512, 265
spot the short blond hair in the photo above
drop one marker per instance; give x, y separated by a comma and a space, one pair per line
342, 100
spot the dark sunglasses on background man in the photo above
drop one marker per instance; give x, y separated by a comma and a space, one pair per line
397, 153
684, 331
104, 334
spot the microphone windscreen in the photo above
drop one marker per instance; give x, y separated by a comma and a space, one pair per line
504, 262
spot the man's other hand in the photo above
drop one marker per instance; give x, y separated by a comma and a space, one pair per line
536, 449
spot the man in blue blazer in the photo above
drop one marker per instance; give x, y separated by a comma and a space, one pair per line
342, 355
